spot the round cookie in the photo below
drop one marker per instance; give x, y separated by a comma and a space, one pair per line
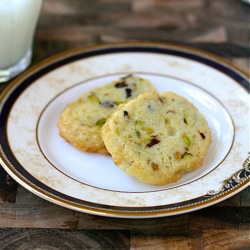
157, 138
81, 121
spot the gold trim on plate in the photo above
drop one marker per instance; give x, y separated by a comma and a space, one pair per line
119, 212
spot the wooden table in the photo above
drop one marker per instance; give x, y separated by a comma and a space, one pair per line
220, 27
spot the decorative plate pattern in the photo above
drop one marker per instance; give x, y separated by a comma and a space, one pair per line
33, 153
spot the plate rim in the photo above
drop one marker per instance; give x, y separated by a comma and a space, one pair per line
214, 198
211, 200
232, 124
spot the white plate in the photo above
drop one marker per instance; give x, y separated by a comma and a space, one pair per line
34, 154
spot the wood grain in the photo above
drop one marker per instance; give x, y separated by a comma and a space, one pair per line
226, 239
245, 198
151, 242
8, 189
30, 211
48, 239
144, 20
207, 239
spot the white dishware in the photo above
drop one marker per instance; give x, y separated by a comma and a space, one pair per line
34, 154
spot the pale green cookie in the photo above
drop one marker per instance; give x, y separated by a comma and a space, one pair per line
81, 121
157, 138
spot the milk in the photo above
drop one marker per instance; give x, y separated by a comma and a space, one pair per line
18, 19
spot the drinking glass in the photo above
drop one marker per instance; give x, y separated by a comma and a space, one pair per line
18, 19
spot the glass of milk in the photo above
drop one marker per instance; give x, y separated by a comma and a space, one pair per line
18, 19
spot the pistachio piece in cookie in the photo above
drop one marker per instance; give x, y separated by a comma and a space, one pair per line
81, 121
162, 136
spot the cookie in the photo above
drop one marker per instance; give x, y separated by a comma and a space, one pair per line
156, 138
81, 121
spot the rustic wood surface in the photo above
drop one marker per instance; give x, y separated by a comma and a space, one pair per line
218, 26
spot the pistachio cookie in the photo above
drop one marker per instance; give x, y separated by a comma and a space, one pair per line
156, 138
81, 121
